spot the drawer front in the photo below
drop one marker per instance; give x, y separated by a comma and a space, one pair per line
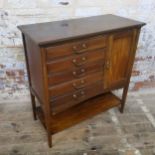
75, 61
75, 85
76, 47
70, 75
62, 103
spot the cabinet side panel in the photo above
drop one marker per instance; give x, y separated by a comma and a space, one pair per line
136, 33
35, 68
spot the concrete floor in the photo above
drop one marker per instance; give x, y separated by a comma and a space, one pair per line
110, 133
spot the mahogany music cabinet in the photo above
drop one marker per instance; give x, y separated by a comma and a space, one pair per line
73, 65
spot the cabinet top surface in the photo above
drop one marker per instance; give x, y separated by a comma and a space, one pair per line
50, 32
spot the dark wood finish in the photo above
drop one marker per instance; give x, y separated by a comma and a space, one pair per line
33, 57
80, 112
75, 61
74, 64
135, 39
69, 100
74, 85
29, 78
118, 55
69, 75
52, 32
75, 47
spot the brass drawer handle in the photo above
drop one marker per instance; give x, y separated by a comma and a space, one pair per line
108, 65
82, 92
80, 51
81, 73
82, 81
78, 96
74, 73
75, 96
79, 86
84, 58
84, 45
83, 70
81, 62
74, 48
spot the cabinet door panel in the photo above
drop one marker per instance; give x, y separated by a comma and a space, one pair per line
118, 57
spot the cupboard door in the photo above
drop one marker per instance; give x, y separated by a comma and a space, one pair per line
118, 59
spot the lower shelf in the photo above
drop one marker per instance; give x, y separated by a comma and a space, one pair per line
80, 112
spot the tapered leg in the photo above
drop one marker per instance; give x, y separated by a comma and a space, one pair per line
124, 95
33, 106
49, 139
133, 49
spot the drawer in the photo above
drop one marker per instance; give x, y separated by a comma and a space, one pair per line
74, 85
64, 102
76, 47
70, 75
75, 61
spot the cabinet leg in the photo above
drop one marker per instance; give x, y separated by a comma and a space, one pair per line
124, 95
33, 106
49, 139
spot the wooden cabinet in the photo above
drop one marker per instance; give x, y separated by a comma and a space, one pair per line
73, 65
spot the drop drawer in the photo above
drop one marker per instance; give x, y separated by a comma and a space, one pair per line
75, 47
69, 75
68, 100
61, 89
75, 61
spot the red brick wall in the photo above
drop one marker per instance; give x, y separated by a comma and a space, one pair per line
13, 78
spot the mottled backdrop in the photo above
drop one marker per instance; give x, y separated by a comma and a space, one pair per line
13, 76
